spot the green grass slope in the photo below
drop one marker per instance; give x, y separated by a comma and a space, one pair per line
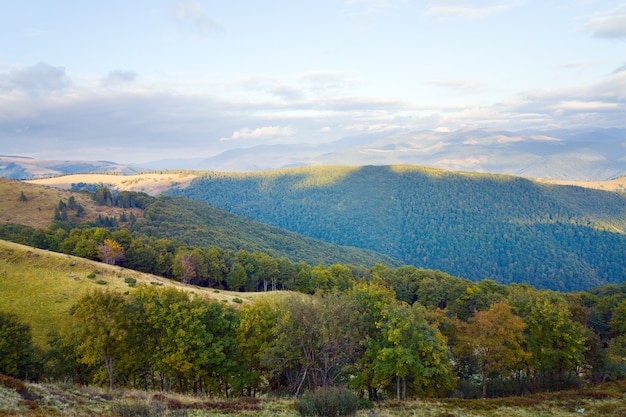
41, 286
472, 225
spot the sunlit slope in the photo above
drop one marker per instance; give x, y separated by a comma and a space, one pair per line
41, 286
472, 225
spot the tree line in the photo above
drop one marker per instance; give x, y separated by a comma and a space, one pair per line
514, 340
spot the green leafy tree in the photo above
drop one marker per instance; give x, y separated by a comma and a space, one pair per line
102, 329
555, 341
237, 277
18, 356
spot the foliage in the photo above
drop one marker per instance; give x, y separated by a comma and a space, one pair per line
495, 339
327, 402
18, 356
472, 225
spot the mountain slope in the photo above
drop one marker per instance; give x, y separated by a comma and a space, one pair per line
472, 225
187, 221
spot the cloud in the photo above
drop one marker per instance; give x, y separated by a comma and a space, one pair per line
272, 87
375, 6
325, 80
191, 16
460, 85
468, 9
118, 77
609, 26
38, 79
261, 133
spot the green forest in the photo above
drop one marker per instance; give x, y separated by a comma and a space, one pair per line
478, 226
335, 318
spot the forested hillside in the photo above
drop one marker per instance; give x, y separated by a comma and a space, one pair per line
472, 225
181, 220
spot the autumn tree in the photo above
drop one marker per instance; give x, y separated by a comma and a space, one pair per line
495, 339
111, 252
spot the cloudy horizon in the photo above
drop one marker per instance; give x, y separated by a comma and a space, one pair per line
145, 81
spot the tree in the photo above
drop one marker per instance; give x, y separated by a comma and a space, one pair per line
101, 328
111, 251
237, 277
23, 196
189, 266
18, 356
255, 339
555, 342
410, 349
495, 339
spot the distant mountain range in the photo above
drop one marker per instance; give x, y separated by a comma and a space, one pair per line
574, 155
22, 168
581, 155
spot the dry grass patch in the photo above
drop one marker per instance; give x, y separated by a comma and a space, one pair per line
151, 183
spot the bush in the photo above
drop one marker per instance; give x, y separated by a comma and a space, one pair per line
130, 281
101, 282
131, 409
328, 402
91, 275
237, 300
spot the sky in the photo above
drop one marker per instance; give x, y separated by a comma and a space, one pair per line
143, 80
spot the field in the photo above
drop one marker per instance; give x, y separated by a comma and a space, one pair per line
34, 400
41, 286
153, 184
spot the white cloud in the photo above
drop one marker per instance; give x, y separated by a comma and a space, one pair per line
459, 85
468, 9
38, 79
611, 26
271, 86
262, 132
191, 16
119, 77
325, 80
375, 6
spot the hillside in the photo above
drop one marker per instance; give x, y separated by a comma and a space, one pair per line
472, 225
54, 282
149, 183
38, 209
187, 221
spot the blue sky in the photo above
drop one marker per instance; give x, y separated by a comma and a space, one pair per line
136, 81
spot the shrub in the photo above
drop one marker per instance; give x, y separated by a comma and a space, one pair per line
131, 409
328, 402
91, 275
130, 281
101, 282
237, 300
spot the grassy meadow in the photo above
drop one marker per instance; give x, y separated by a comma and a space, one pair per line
41, 286
64, 400
150, 183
